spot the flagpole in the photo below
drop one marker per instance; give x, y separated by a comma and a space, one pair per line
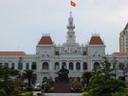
70, 6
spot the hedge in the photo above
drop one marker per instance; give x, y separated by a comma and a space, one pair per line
25, 94
85, 94
2, 92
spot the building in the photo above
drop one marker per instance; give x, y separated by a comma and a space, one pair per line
50, 57
124, 39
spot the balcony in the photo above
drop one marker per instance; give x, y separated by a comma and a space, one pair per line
45, 70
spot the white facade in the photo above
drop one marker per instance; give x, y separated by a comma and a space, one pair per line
49, 57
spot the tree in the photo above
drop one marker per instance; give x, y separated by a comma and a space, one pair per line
124, 68
6, 79
50, 81
29, 74
86, 77
76, 85
102, 82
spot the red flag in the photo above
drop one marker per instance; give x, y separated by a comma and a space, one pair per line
73, 4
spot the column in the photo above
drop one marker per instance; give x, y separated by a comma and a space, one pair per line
74, 63
24, 66
60, 64
81, 66
9, 64
30, 65
67, 63
16, 65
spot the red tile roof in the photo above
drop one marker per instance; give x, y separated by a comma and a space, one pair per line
45, 40
120, 53
12, 53
96, 40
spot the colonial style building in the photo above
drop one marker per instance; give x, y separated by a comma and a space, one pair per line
75, 57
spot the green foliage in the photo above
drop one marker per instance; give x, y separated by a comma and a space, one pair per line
25, 94
2, 92
86, 77
6, 81
102, 82
123, 93
119, 94
29, 74
37, 89
85, 94
50, 81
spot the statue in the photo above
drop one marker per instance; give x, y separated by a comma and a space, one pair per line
62, 75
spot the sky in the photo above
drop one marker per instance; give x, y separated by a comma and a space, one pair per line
23, 22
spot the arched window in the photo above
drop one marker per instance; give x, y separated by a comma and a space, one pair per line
57, 66
77, 66
34, 65
96, 65
6, 65
13, 66
121, 66
45, 66
65, 66
70, 66
45, 79
27, 65
20, 66
85, 67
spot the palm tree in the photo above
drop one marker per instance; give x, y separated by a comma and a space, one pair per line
29, 74
86, 77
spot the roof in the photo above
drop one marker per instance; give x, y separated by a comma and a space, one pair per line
45, 40
12, 53
120, 53
96, 40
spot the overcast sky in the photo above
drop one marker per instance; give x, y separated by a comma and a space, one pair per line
22, 22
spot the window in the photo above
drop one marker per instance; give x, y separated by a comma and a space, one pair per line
27, 65
56, 67
85, 66
13, 66
20, 66
96, 65
34, 65
45, 79
65, 66
70, 66
6, 65
77, 66
121, 66
45, 65
57, 53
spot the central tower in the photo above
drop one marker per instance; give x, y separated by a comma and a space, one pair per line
70, 33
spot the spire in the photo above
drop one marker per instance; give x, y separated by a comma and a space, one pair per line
70, 22
126, 27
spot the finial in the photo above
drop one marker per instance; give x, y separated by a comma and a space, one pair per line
70, 13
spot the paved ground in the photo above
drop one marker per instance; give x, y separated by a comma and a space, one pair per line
58, 94
63, 94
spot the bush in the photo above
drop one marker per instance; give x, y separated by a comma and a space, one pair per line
85, 94
118, 94
124, 93
25, 94
37, 89
2, 92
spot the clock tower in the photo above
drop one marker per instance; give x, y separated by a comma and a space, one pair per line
71, 42
70, 33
